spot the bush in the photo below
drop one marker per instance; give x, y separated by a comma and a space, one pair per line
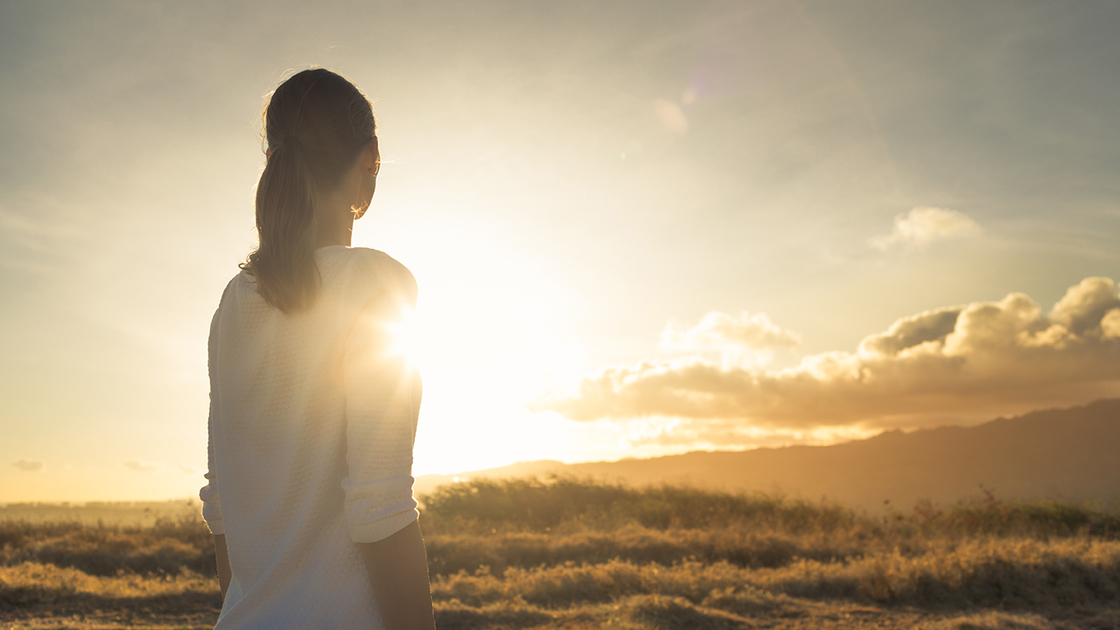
543, 505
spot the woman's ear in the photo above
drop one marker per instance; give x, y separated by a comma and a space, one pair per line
373, 157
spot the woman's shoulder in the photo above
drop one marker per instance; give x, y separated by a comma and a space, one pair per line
365, 271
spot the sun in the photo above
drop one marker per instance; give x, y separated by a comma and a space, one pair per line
488, 333
404, 336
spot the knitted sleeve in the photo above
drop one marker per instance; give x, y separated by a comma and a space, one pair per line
382, 406
211, 504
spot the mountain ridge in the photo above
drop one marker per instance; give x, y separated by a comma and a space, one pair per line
1067, 454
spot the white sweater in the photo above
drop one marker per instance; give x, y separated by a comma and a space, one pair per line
312, 421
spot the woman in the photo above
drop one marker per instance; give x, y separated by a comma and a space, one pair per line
312, 414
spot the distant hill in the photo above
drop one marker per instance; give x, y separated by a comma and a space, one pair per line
1068, 454
108, 512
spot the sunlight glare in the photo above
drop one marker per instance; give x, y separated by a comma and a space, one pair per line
489, 335
405, 336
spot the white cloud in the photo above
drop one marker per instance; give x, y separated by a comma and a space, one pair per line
744, 339
28, 465
143, 467
691, 434
1110, 324
976, 359
923, 225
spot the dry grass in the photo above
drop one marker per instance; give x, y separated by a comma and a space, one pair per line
451, 553
569, 554
33, 583
168, 546
1021, 574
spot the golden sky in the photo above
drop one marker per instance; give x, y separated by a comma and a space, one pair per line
638, 228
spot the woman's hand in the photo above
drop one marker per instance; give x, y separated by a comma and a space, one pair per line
221, 554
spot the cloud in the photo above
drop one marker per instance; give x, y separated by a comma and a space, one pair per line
28, 465
980, 358
744, 339
923, 225
143, 467
725, 434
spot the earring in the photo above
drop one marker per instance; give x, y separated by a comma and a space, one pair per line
357, 208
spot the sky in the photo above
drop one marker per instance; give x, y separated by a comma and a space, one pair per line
638, 228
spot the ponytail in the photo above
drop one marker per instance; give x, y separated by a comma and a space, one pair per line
284, 263
316, 123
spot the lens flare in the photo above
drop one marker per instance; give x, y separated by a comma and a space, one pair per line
404, 336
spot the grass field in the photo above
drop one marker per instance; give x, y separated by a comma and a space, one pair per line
563, 553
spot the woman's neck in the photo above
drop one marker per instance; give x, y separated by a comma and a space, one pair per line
336, 227
325, 238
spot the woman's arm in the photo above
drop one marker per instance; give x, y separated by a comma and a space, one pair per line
383, 393
221, 554
398, 571
211, 501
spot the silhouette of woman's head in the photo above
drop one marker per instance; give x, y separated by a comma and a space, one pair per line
316, 125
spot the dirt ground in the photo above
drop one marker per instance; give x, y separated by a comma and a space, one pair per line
825, 616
